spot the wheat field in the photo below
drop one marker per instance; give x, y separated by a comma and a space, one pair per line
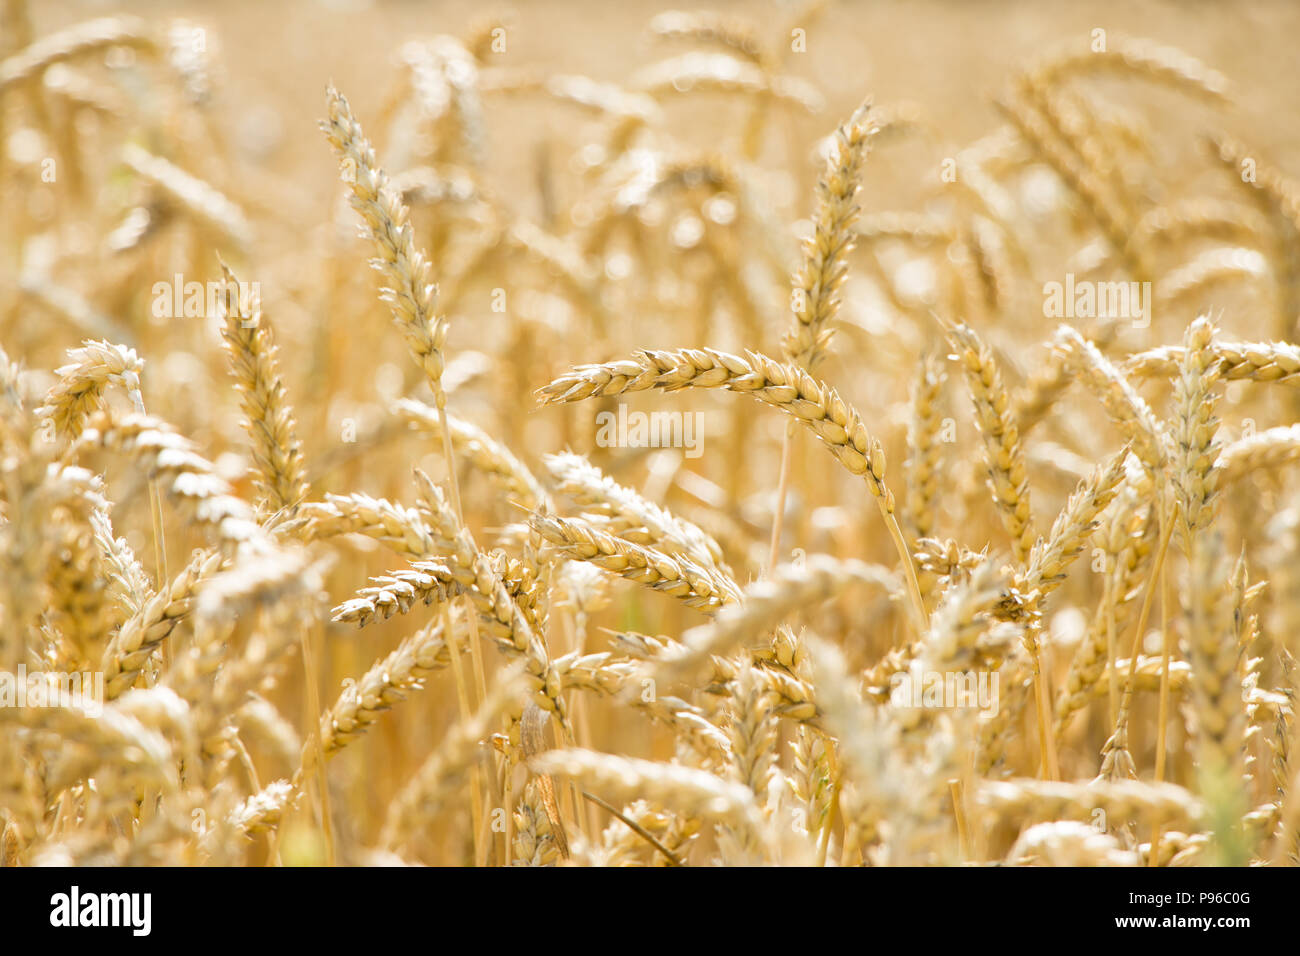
781, 433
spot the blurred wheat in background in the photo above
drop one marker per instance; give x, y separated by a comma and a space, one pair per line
414, 433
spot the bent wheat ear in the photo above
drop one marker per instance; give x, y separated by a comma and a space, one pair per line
184, 474
128, 581
717, 72
353, 712
1137, 57
385, 683
1208, 271
498, 610
79, 390
142, 756
261, 811
1121, 800
202, 200
74, 42
1051, 556
1045, 385
1236, 361
483, 451
1270, 448
397, 593
399, 527
694, 792
1068, 843
1036, 115
764, 604
705, 26
693, 584
630, 515
619, 677
785, 387
1122, 402
129, 651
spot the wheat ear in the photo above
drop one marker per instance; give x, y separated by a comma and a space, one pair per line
764, 604
925, 457
79, 391
825, 254
692, 792
784, 387
32, 61
129, 651
411, 295
481, 450
678, 576
1003, 449
630, 515
497, 610
1235, 361
252, 353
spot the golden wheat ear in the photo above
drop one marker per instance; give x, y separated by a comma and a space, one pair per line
255, 365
